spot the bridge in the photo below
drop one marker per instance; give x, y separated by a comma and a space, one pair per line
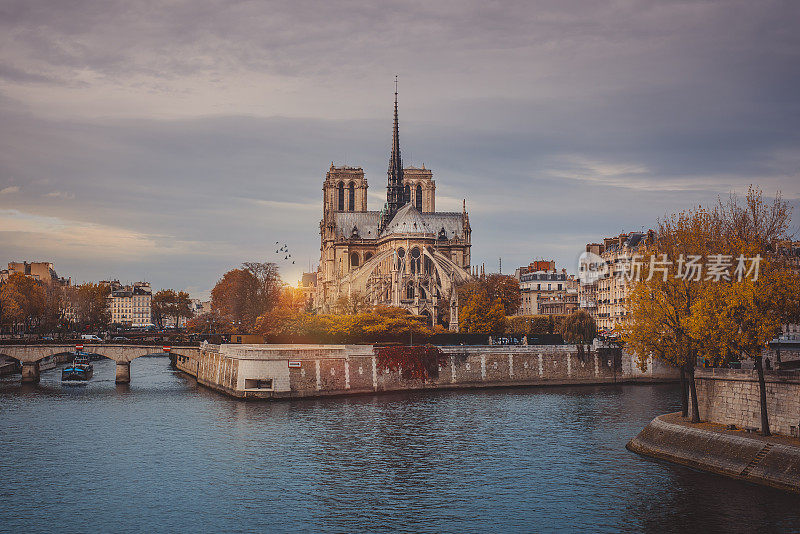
30, 355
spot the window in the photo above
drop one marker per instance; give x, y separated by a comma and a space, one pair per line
367, 256
352, 196
354, 260
410, 291
258, 383
419, 198
341, 196
407, 196
415, 255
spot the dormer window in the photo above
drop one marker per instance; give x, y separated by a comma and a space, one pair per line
442, 233
354, 234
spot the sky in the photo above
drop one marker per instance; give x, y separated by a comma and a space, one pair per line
170, 141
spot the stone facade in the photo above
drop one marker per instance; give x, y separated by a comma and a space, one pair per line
546, 291
406, 255
288, 371
731, 397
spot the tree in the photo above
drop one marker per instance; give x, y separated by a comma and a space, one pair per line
161, 305
242, 295
351, 304
270, 284
740, 314
495, 287
23, 301
91, 304
506, 288
579, 328
660, 304
182, 307
481, 315
237, 297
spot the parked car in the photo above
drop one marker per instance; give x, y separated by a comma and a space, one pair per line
90, 337
120, 338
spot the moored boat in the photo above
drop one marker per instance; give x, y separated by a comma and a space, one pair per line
79, 369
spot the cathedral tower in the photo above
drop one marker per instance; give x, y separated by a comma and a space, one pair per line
344, 189
395, 190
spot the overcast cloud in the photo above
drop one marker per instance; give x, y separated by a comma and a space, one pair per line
170, 141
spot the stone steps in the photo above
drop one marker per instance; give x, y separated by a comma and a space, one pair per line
756, 460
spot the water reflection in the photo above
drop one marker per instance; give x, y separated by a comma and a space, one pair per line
163, 453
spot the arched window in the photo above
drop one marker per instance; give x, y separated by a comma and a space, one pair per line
407, 197
341, 196
367, 257
415, 255
410, 290
401, 253
354, 260
352, 197
419, 198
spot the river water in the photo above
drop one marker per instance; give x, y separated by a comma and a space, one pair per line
166, 455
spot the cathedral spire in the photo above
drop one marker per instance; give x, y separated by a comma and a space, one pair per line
395, 193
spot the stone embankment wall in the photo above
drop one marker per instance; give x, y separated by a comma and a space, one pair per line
753, 459
731, 397
287, 371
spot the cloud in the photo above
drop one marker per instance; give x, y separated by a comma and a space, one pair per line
197, 133
60, 194
10, 189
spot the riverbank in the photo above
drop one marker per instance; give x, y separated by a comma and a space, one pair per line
307, 371
770, 461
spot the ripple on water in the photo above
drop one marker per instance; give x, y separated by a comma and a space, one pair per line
163, 454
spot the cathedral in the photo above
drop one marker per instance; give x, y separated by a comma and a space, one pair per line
407, 254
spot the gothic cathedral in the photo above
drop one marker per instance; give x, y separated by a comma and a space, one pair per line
406, 255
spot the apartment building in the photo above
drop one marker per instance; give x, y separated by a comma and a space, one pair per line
546, 291
43, 271
130, 304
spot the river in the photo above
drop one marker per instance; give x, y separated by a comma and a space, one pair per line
164, 454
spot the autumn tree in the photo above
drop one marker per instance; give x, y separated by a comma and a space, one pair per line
90, 302
480, 315
171, 303
236, 298
206, 323
161, 305
743, 310
506, 289
351, 304
23, 301
242, 295
660, 305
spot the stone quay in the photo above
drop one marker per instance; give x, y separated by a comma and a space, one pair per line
726, 442
300, 371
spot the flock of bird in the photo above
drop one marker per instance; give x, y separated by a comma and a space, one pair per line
283, 250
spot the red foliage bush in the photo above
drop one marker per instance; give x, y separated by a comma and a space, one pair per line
419, 362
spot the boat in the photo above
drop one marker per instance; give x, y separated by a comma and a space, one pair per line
48, 362
79, 369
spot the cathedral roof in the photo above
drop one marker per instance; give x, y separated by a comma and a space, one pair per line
452, 222
408, 220
365, 223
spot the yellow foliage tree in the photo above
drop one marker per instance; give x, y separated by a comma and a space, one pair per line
659, 306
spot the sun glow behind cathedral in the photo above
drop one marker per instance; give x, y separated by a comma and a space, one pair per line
407, 254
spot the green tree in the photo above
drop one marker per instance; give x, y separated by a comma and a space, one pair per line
579, 328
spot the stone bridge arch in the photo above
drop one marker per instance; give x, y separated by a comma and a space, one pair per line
30, 356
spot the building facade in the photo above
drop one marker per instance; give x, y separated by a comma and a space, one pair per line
614, 285
42, 271
546, 291
406, 255
130, 304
